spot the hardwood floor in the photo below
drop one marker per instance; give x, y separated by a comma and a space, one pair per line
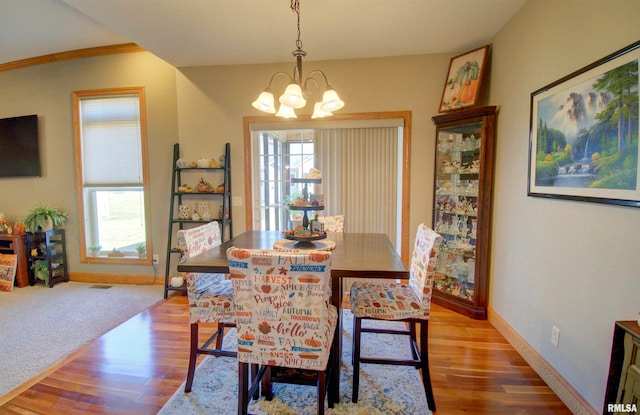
136, 368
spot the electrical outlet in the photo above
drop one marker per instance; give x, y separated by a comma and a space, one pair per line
236, 201
156, 258
555, 336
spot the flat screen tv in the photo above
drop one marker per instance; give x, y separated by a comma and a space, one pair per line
19, 150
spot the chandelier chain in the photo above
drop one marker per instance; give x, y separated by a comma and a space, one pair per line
297, 92
295, 6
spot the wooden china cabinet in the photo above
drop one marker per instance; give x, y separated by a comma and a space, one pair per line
462, 208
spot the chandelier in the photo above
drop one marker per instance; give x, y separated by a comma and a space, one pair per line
298, 91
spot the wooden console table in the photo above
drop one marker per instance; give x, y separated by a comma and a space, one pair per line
15, 244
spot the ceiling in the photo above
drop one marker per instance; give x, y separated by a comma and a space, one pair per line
222, 32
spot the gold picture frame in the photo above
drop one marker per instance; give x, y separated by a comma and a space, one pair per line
464, 80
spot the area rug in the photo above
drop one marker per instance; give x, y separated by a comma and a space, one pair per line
40, 326
383, 389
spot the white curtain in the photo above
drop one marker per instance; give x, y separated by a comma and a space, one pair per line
360, 177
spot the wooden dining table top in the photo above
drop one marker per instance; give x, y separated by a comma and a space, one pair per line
355, 254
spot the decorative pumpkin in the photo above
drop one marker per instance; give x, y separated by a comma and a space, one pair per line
202, 163
318, 256
468, 91
240, 253
18, 228
247, 336
177, 281
203, 185
312, 342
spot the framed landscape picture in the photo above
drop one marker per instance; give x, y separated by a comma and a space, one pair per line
583, 142
464, 80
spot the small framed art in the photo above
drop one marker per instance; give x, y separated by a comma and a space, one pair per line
464, 79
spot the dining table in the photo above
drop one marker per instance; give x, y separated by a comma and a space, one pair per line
355, 255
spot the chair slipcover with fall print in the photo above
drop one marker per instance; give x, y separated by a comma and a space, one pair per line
210, 295
332, 223
283, 313
388, 300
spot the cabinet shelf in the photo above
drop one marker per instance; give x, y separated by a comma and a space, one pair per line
50, 246
176, 222
462, 208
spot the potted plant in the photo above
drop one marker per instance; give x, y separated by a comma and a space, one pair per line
41, 270
95, 250
44, 217
115, 253
142, 249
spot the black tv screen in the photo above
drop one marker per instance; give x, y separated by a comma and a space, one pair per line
19, 150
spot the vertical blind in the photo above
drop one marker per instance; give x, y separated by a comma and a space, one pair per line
360, 177
111, 141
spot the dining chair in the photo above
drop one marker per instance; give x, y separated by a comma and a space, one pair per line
410, 303
210, 296
332, 223
284, 319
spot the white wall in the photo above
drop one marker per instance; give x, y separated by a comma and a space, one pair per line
554, 262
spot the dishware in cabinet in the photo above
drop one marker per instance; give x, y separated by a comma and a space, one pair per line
462, 208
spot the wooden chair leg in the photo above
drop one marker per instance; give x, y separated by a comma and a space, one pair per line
414, 338
193, 356
220, 337
267, 391
424, 364
332, 390
243, 388
322, 377
357, 325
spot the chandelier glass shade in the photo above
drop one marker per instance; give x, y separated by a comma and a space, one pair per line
298, 92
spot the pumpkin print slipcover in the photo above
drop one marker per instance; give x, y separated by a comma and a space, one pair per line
332, 223
394, 301
282, 304
210, 295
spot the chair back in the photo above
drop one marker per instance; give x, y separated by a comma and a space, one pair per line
332, 223
195, 241
204, 306
423, 262
281, 299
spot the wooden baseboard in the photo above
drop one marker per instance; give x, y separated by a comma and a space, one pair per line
574, 401
116, 278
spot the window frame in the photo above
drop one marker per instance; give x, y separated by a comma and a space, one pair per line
77, 97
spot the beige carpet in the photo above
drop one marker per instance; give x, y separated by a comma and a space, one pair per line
40, 326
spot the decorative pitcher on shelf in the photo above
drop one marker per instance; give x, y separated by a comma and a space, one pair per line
184, 212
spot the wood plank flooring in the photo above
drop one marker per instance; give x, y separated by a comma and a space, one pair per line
136, 368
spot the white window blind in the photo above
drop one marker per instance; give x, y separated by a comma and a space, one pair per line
360, 177
111, 143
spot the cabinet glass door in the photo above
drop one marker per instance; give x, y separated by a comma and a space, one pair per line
456, 208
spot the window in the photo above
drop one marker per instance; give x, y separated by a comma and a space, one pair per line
111, 172
279, 156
